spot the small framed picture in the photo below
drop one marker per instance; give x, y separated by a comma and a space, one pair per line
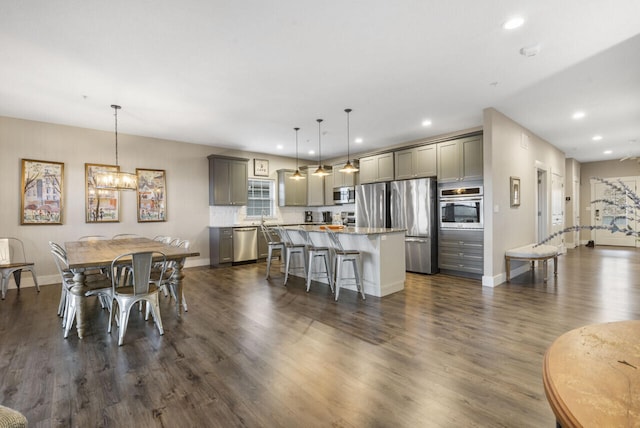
41, 190
515, 191
261, 167
152, 195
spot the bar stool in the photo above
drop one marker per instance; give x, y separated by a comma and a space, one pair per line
273, 244
314, 252
291, 249
343, 256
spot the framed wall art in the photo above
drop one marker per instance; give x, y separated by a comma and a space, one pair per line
152, 195
261, 167
101, 206
515, 191
41, 190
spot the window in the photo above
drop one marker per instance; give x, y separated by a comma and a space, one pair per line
261, 198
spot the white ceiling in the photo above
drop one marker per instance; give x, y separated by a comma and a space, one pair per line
243, 73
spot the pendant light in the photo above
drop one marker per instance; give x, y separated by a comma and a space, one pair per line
348, 167
296, 175
320, 171
116, 180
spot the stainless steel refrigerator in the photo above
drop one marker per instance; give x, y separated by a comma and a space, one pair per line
372, 205
413, 207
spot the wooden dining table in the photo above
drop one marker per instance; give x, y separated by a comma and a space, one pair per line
98, 254
591, 376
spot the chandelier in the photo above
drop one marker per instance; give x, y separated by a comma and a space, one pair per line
116, 180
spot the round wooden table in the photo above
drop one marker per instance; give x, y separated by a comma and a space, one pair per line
591, 376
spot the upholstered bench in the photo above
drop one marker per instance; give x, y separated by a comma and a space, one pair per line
10, 418
533, 253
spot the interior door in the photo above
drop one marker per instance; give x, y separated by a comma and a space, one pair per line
604, 214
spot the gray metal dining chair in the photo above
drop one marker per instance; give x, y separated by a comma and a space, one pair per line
291, 249
341, 257
163, 279
314, 253
274, 245
13, 261
140, 289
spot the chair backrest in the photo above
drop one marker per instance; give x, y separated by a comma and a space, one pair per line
284, 235
306, 237
60, 259
11, 251
268, 234
140, 273
181, 243
59, 248
125, 236
162, 238
335, 241
91, 238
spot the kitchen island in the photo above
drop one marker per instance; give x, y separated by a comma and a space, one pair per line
382, 252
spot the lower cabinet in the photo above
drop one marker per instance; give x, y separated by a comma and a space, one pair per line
263, 247
220, 246
461, 251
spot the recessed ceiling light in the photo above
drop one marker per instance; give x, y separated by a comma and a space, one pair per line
513, 23
597, 137
578, 115
426, 122
608, 152
530, 51
358, 140
279, 147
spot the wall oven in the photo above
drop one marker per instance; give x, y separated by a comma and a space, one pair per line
461, 208
344, 195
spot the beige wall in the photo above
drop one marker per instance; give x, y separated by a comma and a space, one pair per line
186, 166
511, 150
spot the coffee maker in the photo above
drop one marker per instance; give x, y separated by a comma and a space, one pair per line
308, 216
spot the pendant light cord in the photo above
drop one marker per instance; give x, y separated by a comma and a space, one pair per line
348, 110
296, 129
319, 152
116, 108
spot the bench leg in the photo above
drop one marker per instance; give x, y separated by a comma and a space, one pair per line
555, 265
544, 265
508, 262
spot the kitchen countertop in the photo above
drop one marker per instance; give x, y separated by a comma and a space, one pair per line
353, 230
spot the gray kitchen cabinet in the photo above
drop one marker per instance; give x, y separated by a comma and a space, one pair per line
220, 246
228, 180
315, 187
376, 168
461, 251
342, 179
416, 162
460, 160
291, 193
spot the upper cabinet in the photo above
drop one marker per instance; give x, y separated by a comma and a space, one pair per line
416, 162
291, 193
228, 180
315, 187
460, 160
342, 179
376, 168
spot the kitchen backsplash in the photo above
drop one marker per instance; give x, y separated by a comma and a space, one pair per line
226, 216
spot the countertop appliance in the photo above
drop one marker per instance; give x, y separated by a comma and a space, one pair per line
308, 216
344, 195
413, 207
245, 244
461, 208
372, 205
327, 217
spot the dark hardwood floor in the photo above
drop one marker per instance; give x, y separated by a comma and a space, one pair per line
444, 352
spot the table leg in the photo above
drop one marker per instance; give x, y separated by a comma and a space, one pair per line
176, 281
77, 294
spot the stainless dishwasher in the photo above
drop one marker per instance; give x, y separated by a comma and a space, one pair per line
245, 244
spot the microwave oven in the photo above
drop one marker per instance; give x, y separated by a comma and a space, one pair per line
344, 195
